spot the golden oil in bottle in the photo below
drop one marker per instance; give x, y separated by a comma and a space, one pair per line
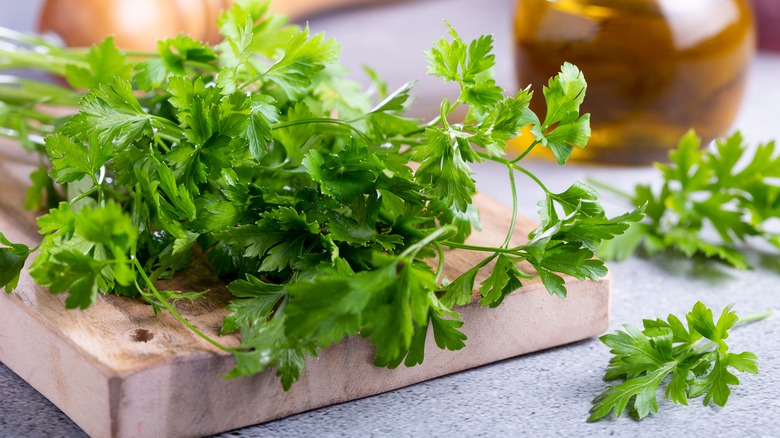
655, 68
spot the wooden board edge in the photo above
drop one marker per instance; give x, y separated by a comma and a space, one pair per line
190, 397
59, 370
193, 399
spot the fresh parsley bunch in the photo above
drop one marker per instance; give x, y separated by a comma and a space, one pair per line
697, 358
328, 215
730, 192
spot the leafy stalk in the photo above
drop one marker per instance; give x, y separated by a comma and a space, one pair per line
710, 202
697, 359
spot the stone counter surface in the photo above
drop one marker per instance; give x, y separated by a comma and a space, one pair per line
542, 394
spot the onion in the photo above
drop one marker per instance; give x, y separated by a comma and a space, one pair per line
138, 24
135, 24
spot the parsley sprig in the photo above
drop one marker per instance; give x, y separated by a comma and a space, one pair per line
328, 215
697, 358
709, 202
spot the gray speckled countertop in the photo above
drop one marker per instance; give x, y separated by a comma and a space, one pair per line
542, 394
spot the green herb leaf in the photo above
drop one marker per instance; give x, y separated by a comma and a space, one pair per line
643, 359
106, 62
710, 202
12, 259
564, 128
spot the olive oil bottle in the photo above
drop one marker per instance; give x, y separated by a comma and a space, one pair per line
655, 68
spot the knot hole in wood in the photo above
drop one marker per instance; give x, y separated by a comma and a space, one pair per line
141, 335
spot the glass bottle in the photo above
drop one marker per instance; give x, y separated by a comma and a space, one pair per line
655, 68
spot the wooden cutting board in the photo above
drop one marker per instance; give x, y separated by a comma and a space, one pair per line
118, 371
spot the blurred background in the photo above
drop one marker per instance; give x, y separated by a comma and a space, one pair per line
391, 35
387, 35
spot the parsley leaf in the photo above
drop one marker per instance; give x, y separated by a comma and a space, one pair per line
105, 61
73, 161
467, 64
563, 127
84, 253
113, 114
709, 202
12, 259
697, 358
304, 57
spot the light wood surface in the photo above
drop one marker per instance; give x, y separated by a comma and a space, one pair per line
119, 371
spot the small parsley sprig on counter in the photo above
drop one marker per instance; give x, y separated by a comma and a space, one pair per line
697, 358
328, 215
730, 192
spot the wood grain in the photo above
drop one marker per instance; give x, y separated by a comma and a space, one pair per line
119, 371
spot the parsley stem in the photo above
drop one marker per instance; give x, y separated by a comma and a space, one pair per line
202, 65
516, 167
609, 188
44, 62
741, 321
755, 317
455, 245
98, 184
168, 137
30, 39
513, 185
527, 151
158, 140
24, 93
533, 177
704, 347
84, 195
435, 121
440, 264
244, 84
170, 131
290, 123
414, 249
140, 54
167, 306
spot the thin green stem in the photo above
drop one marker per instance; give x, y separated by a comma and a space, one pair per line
34, 115
252, 80
45, 62
85, 194
455, 245
290, 123
515, 207
30, 39
440, 264
755, 317
203, 66
516, 167
165, 136
534, 178
170, 130
141, 54
741, 321
158, 140
435, 121
704, 347
99, 184
608, 188
484, 262
29, 91
527, 151
414, 249
167, 306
